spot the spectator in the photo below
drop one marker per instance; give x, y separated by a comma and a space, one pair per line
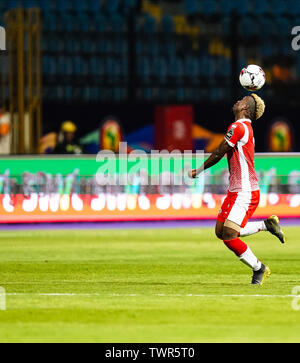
66, 140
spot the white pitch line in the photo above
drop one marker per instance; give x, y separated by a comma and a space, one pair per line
158, 295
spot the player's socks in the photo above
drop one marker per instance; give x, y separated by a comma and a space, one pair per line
252, 228
244, 253
249, 259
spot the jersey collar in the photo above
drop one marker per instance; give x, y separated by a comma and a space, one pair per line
243, 120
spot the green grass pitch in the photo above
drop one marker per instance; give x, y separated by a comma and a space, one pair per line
145, 285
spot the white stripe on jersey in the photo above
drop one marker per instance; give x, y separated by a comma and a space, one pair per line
246, 185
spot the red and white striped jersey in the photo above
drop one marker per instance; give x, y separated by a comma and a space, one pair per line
241, 157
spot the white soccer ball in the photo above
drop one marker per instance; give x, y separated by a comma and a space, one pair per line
252, 78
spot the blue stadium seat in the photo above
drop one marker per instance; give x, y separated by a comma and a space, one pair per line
117, 23
167, 24
180, 94
112, 6
144, 68
101, 22
64, 5
284, 24
259, 7
225, 21
46, 5
62, 68
192, 6
77, 65
248, 26
169, 48
150, 24
123, 69
153, 48
49, 21
96, 66
79, 5
52, 65
293, 7
13, 4
243, 7
208, 7
110, 67
191, 68
29, 4
67, 22
176, 68
278, 7
120, 46
139, 46
267, 49
93, 6
207, 68
226, 7
159, 66
127, 5
268, 27
224, 67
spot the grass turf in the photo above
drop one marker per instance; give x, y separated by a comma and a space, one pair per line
176, 285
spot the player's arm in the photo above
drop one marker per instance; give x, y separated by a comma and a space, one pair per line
213, 159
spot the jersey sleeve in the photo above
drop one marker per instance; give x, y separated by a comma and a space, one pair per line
235, 133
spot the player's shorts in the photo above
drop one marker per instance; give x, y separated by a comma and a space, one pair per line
238, 207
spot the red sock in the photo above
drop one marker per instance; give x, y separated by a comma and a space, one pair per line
237, 246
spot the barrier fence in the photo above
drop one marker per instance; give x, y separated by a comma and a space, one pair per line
85, 188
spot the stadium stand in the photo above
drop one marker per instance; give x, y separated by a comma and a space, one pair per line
180, 48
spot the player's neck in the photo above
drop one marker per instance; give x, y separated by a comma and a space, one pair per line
241, 115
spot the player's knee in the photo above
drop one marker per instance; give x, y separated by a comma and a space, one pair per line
219, 230
229, 234
219, 234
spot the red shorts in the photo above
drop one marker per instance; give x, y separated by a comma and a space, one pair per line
238, 207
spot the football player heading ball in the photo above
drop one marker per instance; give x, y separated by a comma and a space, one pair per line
243, 195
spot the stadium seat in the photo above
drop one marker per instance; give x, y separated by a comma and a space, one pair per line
292, 8
117, 23
101, 22
49, 22
64, 6
247, 26
79, 5
259, 7
150, 24
93, 6
208, 7
268, 27
278, 7
112, 6
226, 7
192, 69
94, 43
144, 68
127, 5
167, 24
192, 7
284, 24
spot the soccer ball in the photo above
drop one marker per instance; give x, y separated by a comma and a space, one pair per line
252, 78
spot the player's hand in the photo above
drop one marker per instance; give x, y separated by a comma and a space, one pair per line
192, 173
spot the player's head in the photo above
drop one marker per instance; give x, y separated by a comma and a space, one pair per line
68, 128
252, 107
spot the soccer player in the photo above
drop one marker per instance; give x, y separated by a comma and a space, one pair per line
243, 195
